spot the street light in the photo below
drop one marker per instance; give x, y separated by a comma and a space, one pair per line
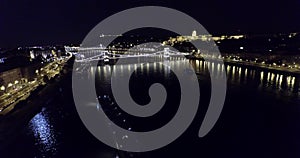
9, 85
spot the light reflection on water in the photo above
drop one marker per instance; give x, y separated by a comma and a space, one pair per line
44, 135
235, 74
264, 79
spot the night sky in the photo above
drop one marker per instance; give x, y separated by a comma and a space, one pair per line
43, 22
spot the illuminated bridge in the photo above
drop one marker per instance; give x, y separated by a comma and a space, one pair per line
100, 53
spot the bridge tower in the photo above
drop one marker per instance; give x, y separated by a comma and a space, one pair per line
194, 33
166, 52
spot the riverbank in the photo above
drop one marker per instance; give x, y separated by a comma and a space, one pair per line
260, 66
44, 75
24, 110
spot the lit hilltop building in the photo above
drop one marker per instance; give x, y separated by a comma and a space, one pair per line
194, 36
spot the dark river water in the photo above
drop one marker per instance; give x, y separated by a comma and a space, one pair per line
260, 118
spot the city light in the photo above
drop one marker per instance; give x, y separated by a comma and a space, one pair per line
61, 72
9, 85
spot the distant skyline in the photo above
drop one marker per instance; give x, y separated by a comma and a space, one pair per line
34, 22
